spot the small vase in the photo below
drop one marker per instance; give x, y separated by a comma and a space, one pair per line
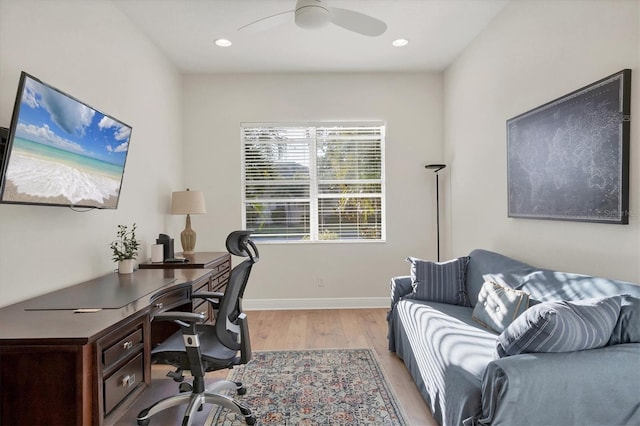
126, 266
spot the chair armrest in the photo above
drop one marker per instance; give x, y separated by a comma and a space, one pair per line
245, 346
213, 297
185, 317
207, 295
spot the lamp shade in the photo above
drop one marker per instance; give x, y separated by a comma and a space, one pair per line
188, 202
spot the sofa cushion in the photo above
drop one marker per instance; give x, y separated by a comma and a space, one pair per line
441, 282
446, 353
498, 306
547, 285
486, 265
627, 328
561, 326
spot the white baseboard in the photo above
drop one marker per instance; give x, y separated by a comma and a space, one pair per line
315, 303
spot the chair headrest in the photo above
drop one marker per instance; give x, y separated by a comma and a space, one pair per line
237, 243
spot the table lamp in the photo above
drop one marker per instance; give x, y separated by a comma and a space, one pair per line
188, 202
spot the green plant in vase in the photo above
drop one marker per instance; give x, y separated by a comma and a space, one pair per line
125, 248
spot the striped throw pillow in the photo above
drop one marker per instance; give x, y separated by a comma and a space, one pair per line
561, 326
442, 282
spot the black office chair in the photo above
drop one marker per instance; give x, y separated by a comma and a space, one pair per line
201, 348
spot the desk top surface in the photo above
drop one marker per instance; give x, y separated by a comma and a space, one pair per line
111, 291
45, 317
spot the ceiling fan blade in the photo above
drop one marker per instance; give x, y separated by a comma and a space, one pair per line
357, 22
267, 23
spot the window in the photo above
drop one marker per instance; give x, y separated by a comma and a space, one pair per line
313, 182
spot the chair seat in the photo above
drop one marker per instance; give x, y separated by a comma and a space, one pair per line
215, 356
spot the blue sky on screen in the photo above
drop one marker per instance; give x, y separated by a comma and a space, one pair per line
51, 118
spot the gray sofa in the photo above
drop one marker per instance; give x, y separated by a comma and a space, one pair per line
453, 360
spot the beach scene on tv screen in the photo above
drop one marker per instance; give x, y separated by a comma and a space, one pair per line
64, 152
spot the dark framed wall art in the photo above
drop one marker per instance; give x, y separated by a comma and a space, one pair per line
569, 158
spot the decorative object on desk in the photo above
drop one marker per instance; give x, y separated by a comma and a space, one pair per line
157, 253
569, 159
188, 202
167, 246
125, 248
126, 266
436, 168
320, 387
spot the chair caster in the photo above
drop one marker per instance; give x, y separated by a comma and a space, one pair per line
249, 418
177, 375
143, 413
240, 389
185, 387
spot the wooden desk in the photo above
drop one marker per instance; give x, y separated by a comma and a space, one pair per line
58, 367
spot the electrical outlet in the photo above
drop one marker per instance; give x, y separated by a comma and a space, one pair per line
320, 281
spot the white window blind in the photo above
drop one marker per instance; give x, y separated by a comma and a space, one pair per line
313, 182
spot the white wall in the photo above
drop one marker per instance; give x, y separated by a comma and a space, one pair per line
90, 50
534, 52
411, 105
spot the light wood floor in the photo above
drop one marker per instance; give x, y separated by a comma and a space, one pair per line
323, 329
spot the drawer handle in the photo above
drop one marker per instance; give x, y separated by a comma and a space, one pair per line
159, 305
127, 345
128, 380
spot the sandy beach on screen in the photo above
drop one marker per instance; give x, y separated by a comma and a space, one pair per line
11, 194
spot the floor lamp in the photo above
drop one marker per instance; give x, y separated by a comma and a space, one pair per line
436, 168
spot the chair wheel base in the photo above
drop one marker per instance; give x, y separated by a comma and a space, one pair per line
251, 420
241, 391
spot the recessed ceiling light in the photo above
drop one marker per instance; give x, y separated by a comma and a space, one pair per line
400, 42
223, 42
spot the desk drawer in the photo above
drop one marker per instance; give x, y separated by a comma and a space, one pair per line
201, 286
220, 282
201, 306
122, 348
122, 382
171, 299
221, 267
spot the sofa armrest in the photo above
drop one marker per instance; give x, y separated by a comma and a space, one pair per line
595, 386
400, 287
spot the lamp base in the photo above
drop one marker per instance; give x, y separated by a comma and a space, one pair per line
188, 238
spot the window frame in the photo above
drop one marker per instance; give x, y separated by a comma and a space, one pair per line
314, 195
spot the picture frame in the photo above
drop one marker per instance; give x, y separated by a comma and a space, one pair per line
569, 158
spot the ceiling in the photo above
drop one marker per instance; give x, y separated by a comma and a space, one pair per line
185, 30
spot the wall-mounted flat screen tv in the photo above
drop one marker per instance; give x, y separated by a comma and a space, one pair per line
61, 151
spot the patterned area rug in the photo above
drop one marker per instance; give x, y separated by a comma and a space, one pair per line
314, 387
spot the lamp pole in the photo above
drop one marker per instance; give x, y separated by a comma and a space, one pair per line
436, 168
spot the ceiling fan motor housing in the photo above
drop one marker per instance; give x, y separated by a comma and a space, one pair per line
311, 14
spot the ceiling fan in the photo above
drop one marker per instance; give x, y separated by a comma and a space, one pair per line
311, 14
